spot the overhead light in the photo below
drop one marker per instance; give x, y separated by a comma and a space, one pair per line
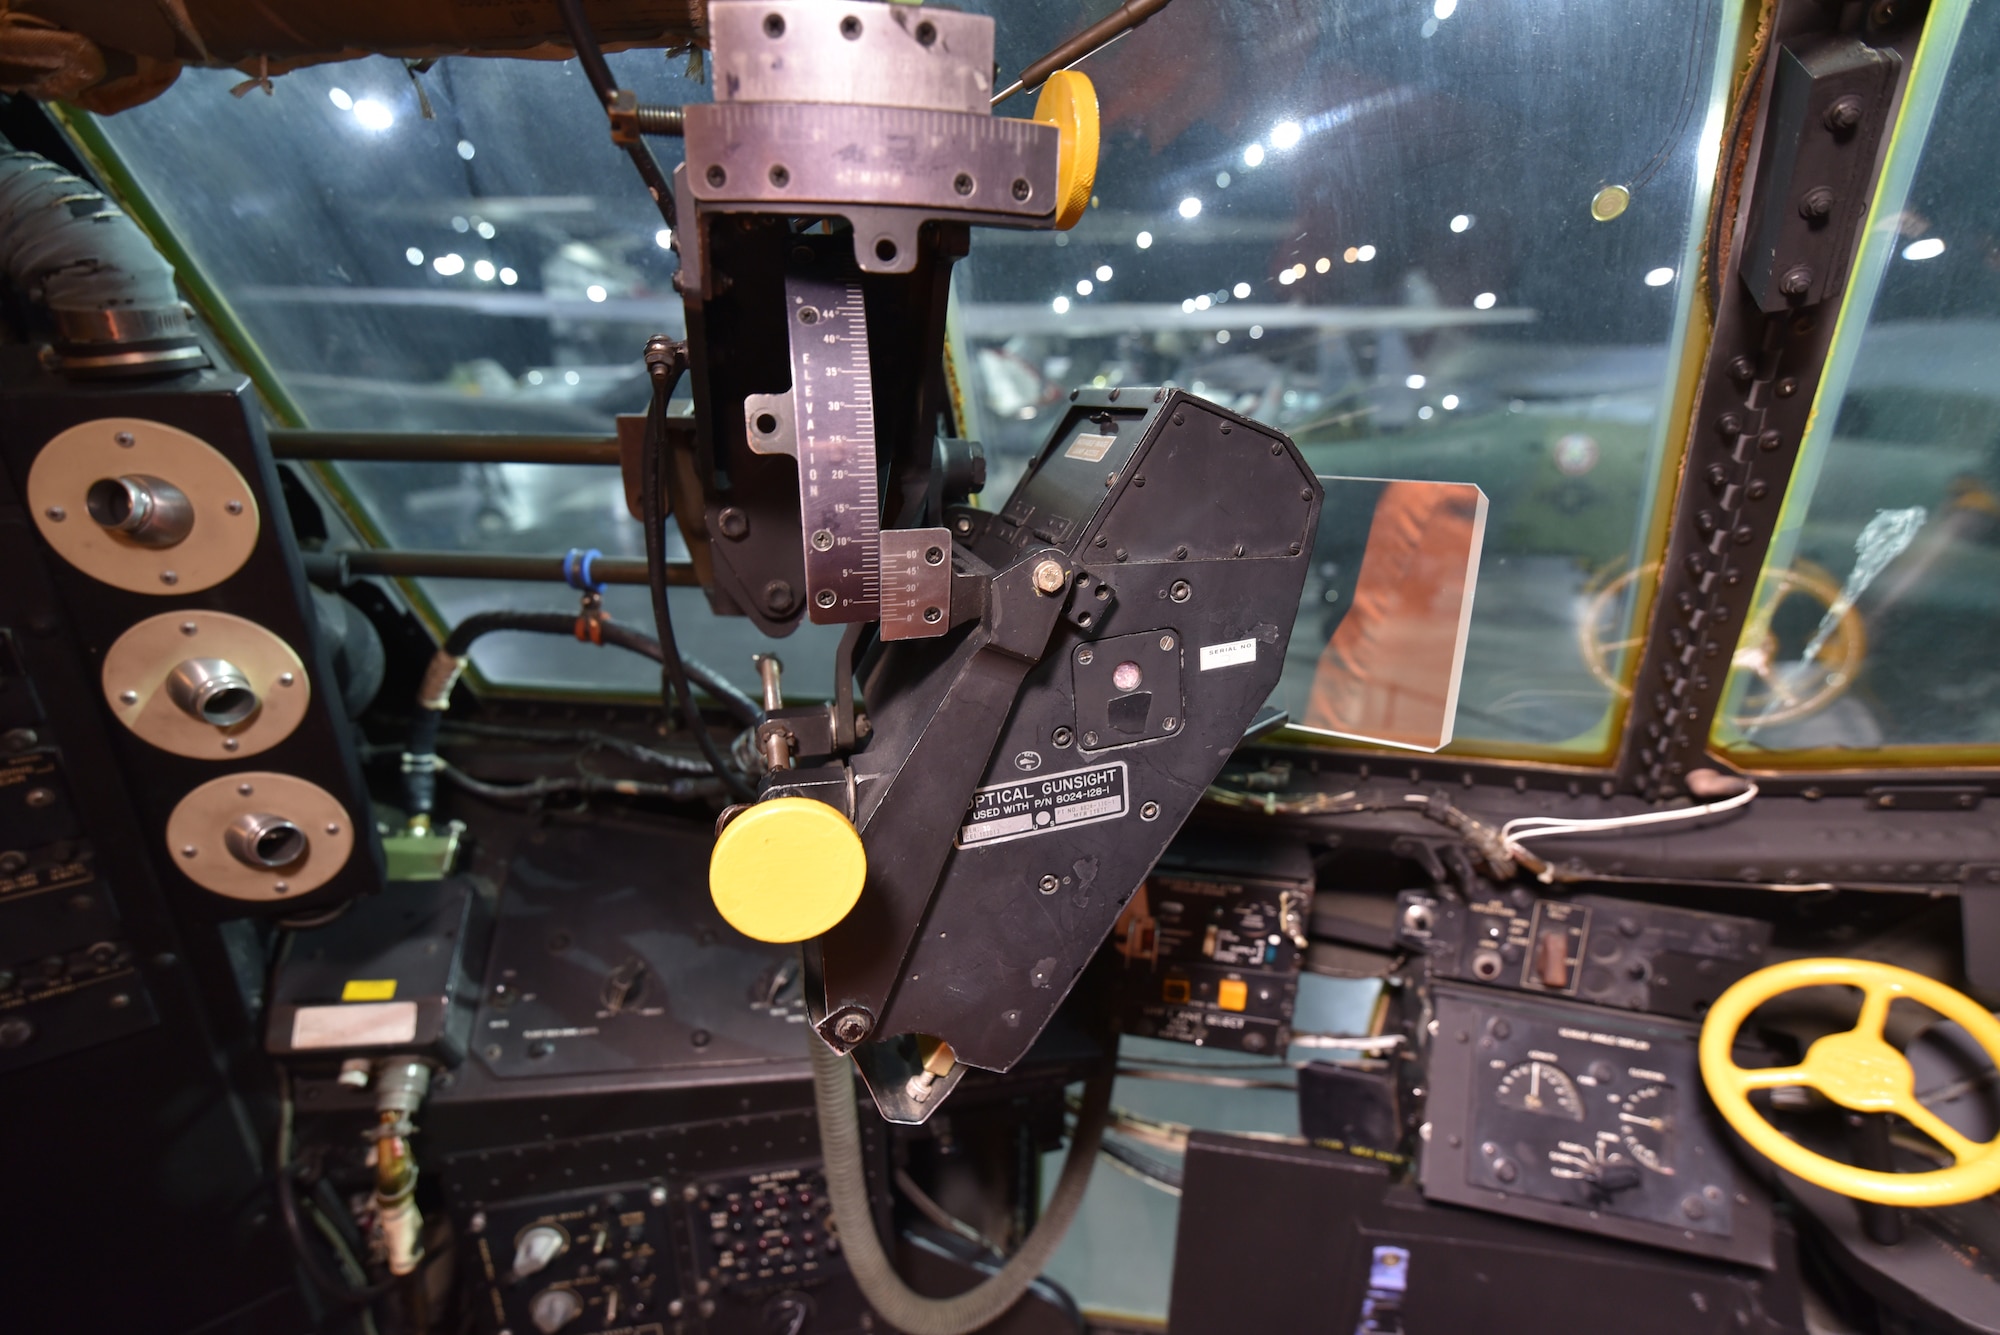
1187, 305
1286, 134
1425, 413
1415, 382
596, 292
1143, 241
460, 225
413, 255
664, 238
1060, 305
1222, 336
373, 115
449, 264
339, 98
1659, 277
1351, 254
465, 149
1484, 301
1083, 287
485, 230
534, 377
1103, 273
1927, 249
1203, 302
508, 277
1256, 331
1287, 278
1450, 401
1253, 156
1240, 291
1190, 207
1461, 222
1322, 264
1365, 254
483, 270
571, 378
1299, 270
1444, 9
1222, 180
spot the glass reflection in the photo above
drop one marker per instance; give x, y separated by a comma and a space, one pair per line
1893, 524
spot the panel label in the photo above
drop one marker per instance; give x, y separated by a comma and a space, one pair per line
369, 989
368, 1024
1228, 655
1090, 448
1005, 811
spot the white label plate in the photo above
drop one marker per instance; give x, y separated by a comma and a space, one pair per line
364, 1025
1228, 655
1045, 803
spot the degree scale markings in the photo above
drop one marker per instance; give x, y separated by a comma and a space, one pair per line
834, 403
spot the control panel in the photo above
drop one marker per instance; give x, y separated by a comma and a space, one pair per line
764, 1247
1211, 952
599, 1261
1583, 1117
1612, 952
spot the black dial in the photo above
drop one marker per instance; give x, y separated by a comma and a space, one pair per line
1541, 1087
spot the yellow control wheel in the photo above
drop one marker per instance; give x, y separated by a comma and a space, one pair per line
786, 869
1856, 1069
1069, 102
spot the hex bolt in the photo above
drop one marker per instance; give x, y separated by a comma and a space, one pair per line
1843, 115
1729, 424
1050, 884
1049, 576
1797, 281
1816, 203
1743, 369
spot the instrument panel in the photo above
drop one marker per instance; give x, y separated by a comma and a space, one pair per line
1587, 1118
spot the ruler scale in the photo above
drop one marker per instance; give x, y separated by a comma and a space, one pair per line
833, 405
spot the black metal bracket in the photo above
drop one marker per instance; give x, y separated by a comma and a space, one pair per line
1828, 99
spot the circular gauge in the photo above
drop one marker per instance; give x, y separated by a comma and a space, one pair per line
1541, 1087
1646, 1125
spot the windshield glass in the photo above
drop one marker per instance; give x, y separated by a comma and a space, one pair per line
1881, 605
1380, 227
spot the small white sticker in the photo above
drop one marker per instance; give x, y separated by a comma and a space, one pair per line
367, 1025
1228, 655
1090, 448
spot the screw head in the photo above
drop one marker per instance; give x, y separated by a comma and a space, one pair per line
826, 597
1022, 190
1050, 884
962, 183
234, 507
169, 577
717, 176
1167, 643
1181, 591
1090, 739
822, 540
851, 1027
933, 615
780, 175
1049, 576
1150, 811
56, 514
1084, 655
128, 697
1062, 736
732, 522
124, 438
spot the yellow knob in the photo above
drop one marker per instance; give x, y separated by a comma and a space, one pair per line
1069, 103
786, 869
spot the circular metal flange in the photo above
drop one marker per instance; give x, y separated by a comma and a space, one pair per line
216, 828
224, 512
168, 680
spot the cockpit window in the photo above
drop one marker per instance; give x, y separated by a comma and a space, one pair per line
1428, 241
1877, 638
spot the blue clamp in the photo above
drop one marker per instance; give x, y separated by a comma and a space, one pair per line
576, 570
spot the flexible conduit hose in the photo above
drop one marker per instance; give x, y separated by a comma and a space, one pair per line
847, 1191
110, 295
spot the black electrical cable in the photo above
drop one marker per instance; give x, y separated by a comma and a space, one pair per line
666, 360
314, 1265
420, 758
598, 71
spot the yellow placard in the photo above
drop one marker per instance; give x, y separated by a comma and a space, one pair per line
369, 989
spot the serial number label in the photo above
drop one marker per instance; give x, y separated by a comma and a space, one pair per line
1038, 806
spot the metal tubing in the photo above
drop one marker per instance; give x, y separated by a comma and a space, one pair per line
336, 568
443, 447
